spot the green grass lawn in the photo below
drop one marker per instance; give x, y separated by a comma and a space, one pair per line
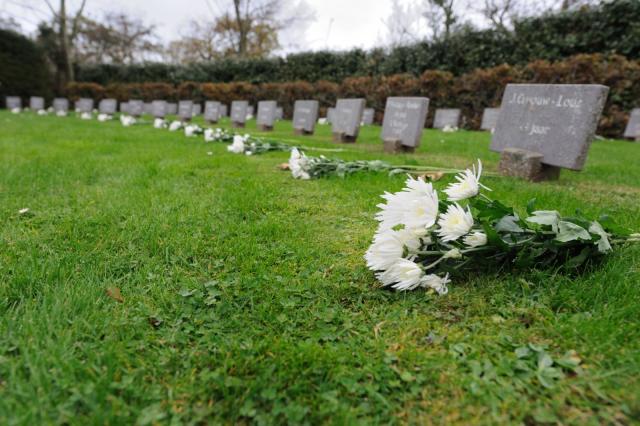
245, 297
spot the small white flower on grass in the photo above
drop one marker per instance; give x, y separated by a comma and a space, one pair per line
190, 130
23, 211
455, 223
127, 120
159, 123
322, 120
298, 163
175, 125
439, 284
86, 116
237, 147
61, 113
104, 117
42, 112
403, 275
388, 247
468, 184
449, 129
475, 239
15, 111
209, 153
416, 206
209, 135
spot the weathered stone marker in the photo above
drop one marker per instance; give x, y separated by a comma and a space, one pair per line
632, 131
61, 105
545, 127
266, 115
490, 119
124, 107
224, 111
239, 113
185, 110
172, 108
108, 106
159, 108
148, 108
346, 119
212, 111
36, 103
13, 102
367, 116
404, 120
305, 115
197, 110
84, 105
446, 117
135, 107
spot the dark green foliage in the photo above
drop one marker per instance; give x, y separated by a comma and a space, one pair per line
23, 71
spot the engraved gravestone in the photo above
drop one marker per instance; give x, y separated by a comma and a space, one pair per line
266, 115
84, 105
632, 131
404, 120
159, 108
545, 127
197, 110
279, 113
490, 118
60, 105
185, 110
346, 119
148, 108
36, 103
305, 115
250, 112
212, 111
172, 108
124, 107
446, 117
13, 102
108, 106
135, 107
367, 116
239, 113
224, 111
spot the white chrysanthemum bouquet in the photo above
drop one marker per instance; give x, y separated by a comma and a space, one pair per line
424, 239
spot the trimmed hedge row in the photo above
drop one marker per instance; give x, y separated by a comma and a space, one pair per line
472, 92
610, 28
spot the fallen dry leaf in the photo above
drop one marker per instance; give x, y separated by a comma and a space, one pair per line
283, 166
432, 176
114, 293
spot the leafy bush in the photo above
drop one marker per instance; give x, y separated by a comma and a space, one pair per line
75, 91
23, 70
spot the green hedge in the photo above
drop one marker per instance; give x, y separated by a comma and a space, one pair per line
23, 70
612, 28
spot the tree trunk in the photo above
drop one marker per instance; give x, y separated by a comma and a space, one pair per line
64, 43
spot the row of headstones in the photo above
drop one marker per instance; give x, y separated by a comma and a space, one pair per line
539, 128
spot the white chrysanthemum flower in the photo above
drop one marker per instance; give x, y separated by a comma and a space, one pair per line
439, 284
175, 125
237, 147
61, 113
322, 120
449, 129
209, 135
298, 164
475, 239
127, 120
453, 254
190, 130
455, 223
388, 246
23, 211
403, 275
416, 206
42, 112
159, 123
15, 111
86, 116
248, 153
468, 184
50, 109
104, 117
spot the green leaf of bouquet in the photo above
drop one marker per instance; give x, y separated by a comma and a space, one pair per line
603, 243
493, 210
531, 205
509, 224
545, 217
493, 238
578, 260
569, 231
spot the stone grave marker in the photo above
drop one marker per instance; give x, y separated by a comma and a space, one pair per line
60, 104
305, 115
545, 127
239, 113
172, 108
279, 113
446, 117
490, 119
212, 111
13, 102
346, 120
135, 107
36, 103
330, 112
632, 131
158, 108
224, 110
147, 108
367, 116
84, 105
124, 107
197, 110
185, 110
404, 120
108, 106
266, 115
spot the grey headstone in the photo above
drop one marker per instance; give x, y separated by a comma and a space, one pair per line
266, 113
224, 111
197, 110
158, 108
84, 105
490, 118
136, 108
305, 115
172, 108
13, 102
36, 103
633, 126
446, 117
279, 113
239, 111
367, 116
212, 111
148, 108
60, 104
124, 107
185, 110
555, 120
108, 106
404, 120
330, 115
347, 116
